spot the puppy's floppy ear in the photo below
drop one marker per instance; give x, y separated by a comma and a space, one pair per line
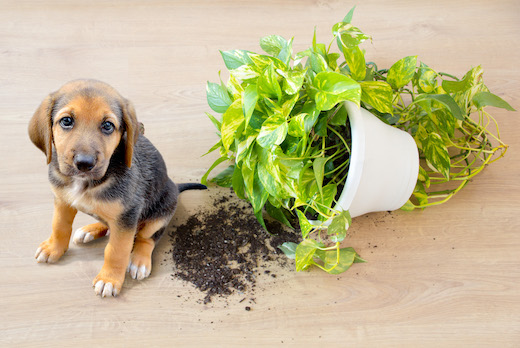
132, 129
40, 126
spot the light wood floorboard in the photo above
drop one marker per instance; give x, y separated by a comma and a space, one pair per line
448, 276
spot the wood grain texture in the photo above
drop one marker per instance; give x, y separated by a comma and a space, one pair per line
448, 276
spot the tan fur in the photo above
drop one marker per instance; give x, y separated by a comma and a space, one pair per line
40, 127
116, 258
86, 202
144, 243
44, 133
58, 243
70, 127
96, 230
88, 112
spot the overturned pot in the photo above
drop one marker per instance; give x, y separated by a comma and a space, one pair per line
384, 166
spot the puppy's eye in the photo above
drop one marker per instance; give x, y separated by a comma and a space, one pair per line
107, 127
67, 122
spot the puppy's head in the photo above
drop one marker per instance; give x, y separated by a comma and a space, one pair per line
85, 121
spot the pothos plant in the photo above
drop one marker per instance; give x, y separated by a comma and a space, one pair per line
284, 131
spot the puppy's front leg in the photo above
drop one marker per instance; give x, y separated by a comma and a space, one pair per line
53, 248
117, 255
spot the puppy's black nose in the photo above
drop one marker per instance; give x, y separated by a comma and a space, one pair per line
84, 163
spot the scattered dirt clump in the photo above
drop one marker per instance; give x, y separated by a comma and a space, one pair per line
221, 250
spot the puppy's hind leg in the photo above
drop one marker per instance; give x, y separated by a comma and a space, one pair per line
90, 232
140, 265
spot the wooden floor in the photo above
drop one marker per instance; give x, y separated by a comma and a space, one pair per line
448, 276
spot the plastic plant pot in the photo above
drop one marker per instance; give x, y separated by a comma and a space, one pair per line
384, 165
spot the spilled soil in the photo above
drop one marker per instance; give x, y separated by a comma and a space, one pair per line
223, 250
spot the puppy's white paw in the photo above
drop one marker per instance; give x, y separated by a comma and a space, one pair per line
138, 272
81, 236
105, 289
49, 252
41, 255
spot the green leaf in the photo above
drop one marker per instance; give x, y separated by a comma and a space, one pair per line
305, 225
304, 254
273, 44
420, 193
278, 47
358, 258
447, 101
234, 87
260, 219
348, 36
326, 198
445, 121
289, 249
426, 79
424, 177
257, 119
237, 182
285, 54
408, 206
314, 44
483, 99
321, 126
244, 72
204, 179
356, 62
248, 176
297, 126
262, 62
330, 259
235, 59
294, 81
268, 85
217, 97
437, 154
339, 226
334, 88
213, 148
319, 171
273, 131
340, 116
313, 113
215, 122
250, 98
277, 213
377, 94
458, 86
231, 120
224, 178
260, 194
288, 105
402, 72
268, 180
332, 60
350, 14
244, 148
318, 62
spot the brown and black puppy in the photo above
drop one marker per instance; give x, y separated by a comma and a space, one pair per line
101, 164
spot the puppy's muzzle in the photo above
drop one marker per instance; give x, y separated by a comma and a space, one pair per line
84, 163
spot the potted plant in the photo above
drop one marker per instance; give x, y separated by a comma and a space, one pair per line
287, 129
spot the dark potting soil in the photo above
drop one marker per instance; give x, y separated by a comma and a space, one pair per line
222, 251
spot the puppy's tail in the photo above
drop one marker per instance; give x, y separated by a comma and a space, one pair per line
190, 186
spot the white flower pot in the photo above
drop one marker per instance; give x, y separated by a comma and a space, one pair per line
384, 165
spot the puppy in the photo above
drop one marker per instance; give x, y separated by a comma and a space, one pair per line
101, 164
